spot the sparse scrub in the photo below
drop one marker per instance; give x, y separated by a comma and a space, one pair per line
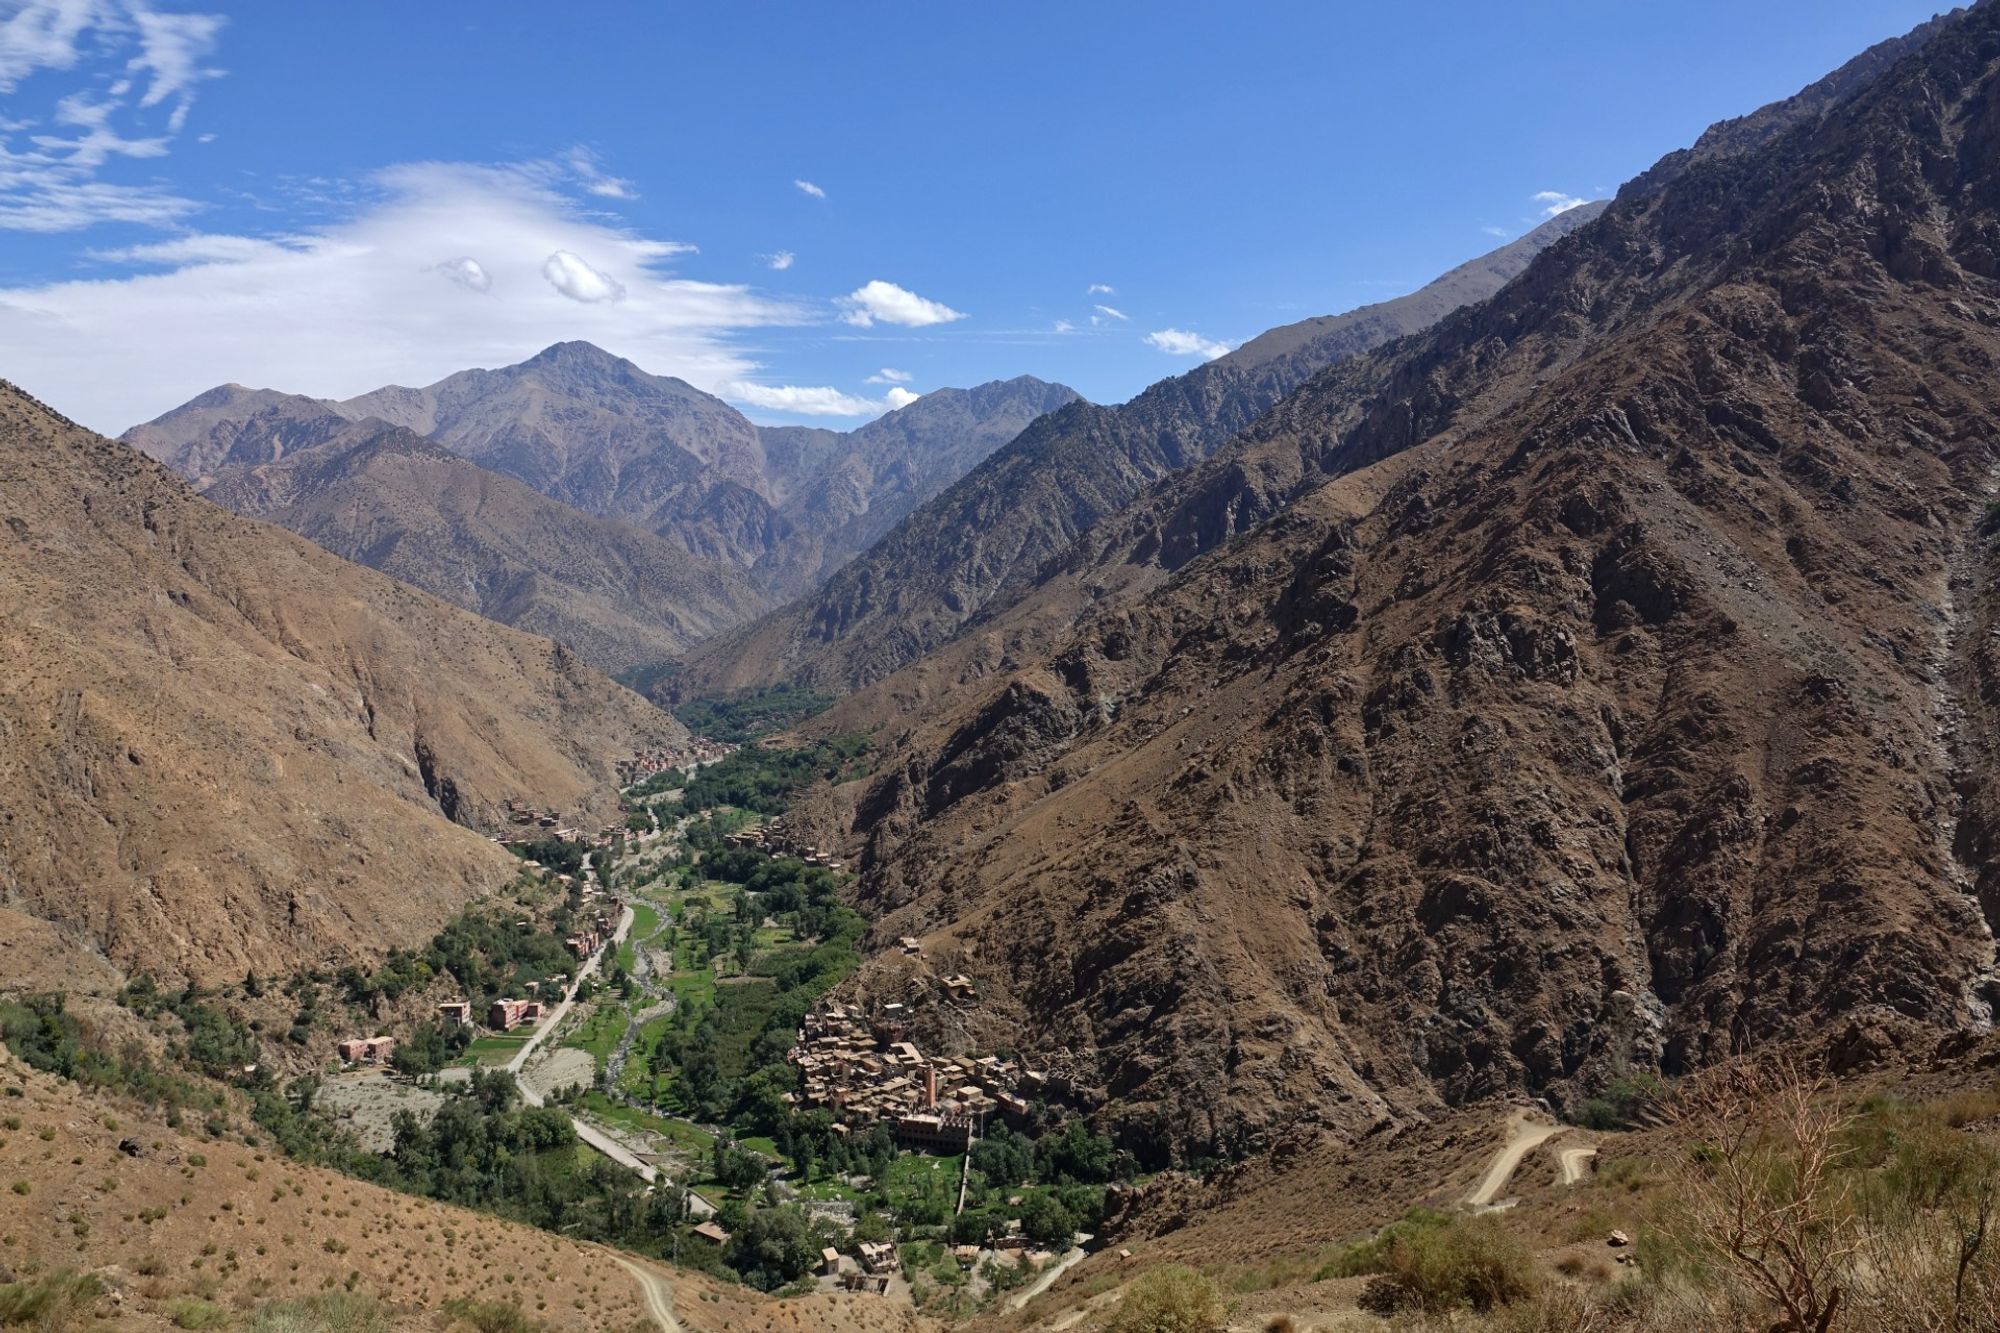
1173, 1299
53, 1303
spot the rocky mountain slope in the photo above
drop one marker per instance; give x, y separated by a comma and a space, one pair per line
983, 543
389, 499
226, 749
786, 505
1598, 681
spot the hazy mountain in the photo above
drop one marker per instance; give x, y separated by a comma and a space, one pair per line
226, 749
592, 430
385, 497
985, 540
1603, 679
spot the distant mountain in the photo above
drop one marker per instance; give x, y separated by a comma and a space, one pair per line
390, 499
786, 505
224, 748
985, 540
842, 492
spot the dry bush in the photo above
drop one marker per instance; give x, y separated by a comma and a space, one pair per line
1760, 1189
1173, 1299
1929, 1259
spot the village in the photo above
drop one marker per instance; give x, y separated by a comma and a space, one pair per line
862, 1066
868, 1071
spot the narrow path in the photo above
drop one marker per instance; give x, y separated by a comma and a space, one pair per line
1573, 1160
1523, 1135
659, 1295
1048, 1279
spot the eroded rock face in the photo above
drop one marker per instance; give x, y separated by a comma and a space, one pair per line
1575, 705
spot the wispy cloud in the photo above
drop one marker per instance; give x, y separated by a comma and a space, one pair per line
1552, 202
1100, 289
1108, 312
887, 376
146, 66
807, 187
816, 400
1491, 230
386, 295
590, 174
1182, 342
780, 261
886, 303
1064, 326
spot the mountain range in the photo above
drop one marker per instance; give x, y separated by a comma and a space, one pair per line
985, 539
1599, 679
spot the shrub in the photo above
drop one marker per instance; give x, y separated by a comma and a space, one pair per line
491, 1316
333, 1312
1173, 1299
190, 1312
1472, 1261
53, 1302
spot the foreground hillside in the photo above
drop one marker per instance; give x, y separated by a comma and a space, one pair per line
178, 1230
226, 750
982, 544
394, 501
1580, 708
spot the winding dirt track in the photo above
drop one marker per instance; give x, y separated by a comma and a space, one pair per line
1523, 1136
659, 1294
1573, 1160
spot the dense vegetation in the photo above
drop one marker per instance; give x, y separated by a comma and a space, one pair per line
753, 713
765, 779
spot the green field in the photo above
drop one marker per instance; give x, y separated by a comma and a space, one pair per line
600, 1032
493, 1050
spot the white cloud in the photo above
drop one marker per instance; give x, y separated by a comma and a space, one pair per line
43, 34
1110, 313
808, 187
815, 401
1552, 202
1100, 289
172, 48
468, 273
584, 166
1496, 231
194, 249
888, 376
1181, 342
577, 280
1064, 326
359, 304
890, 304
780, 261
48, 181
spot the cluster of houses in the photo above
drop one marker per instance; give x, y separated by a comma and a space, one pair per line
645, 763
869, 1072
772, 837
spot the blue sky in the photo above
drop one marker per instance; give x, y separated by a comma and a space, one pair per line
326, 197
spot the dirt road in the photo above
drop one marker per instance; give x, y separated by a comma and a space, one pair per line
1523, 1136
659, 1294
1573, 1160
549, 1024
1048, 1279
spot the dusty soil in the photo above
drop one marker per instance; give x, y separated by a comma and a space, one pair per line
365, 1102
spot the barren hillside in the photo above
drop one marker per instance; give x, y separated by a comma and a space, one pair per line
1555, 693
225, 749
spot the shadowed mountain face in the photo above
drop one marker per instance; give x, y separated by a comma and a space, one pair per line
983, 543
394, 501
1602, 679
225, 749
784, 505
